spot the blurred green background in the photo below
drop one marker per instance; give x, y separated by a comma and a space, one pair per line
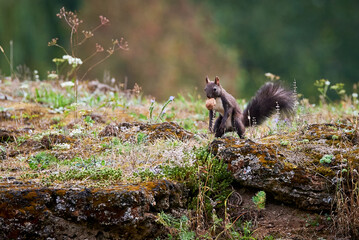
174, 45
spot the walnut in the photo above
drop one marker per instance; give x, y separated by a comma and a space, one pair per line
210, 103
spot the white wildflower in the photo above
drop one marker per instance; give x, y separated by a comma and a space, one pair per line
355, 95
52, 76
327, 83
62, 146
67, 84
72, 61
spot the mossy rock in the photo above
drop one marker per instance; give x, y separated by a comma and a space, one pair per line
293, 173
118, 212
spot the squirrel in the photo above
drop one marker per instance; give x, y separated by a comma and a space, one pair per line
263, 105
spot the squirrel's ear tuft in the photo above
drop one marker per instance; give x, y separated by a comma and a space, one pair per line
216, 80
207, 80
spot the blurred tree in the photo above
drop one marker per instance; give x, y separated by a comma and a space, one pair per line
172, 45
31, 24
302, 40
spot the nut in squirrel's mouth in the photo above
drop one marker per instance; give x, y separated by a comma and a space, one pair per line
210, 103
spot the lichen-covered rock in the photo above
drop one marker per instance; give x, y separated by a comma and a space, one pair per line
151, 132
48, 141
291, 166
120, 212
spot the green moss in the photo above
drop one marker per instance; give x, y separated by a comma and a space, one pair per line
325, 171
41, 160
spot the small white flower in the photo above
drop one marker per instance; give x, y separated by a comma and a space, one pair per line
52, 76
355, 95
67, 84
72, 61
66, 57
327, 83
62, 146
77, 61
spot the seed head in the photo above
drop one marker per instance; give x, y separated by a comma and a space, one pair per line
104, 20
53, 42
99, 48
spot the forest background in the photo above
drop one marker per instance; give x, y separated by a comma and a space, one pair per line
174, 45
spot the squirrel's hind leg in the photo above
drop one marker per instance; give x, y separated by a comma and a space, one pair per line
238, 125
219, 132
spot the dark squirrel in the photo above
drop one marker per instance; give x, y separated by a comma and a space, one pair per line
263, 105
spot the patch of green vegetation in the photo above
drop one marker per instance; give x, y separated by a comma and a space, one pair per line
90, 173
326, 159
207, 175
141, 137
41, 161
89, 120
189, 124
145, 174
178, 227
259, 200
53, 98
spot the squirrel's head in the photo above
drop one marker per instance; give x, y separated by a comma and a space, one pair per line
213, 89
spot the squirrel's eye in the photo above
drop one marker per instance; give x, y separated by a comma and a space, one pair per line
215, 89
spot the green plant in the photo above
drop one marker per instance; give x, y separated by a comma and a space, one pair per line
53, 99
326, 159
89, 120
247, 230
71, 57
41, 160
163, 109
339, 89
92, 173
141, 137
322, 86
179, 227
259, 200
145, 174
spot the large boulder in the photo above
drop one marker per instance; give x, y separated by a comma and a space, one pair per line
301, 168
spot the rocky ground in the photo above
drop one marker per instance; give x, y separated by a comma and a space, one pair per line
90, 172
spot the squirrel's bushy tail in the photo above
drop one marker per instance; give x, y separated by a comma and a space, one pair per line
265, 102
